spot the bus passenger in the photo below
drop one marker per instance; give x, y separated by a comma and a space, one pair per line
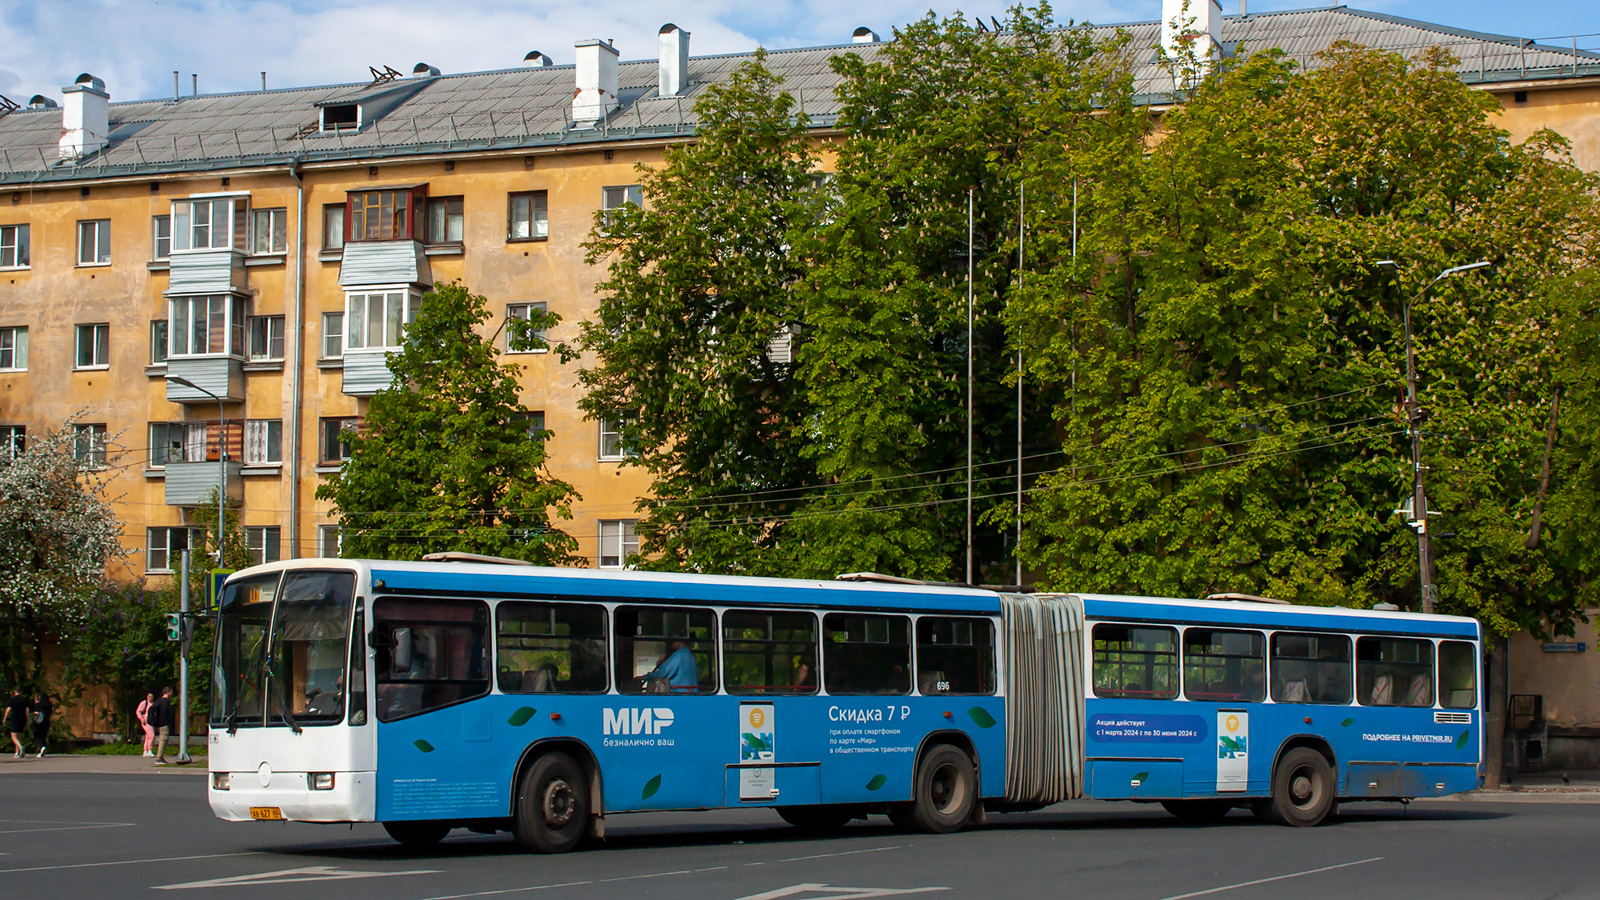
677, 670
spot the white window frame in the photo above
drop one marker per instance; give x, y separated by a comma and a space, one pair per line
531, 226
522, 311
181, 311
256, 543
97, 250
260, 448
332, 330
611, 446
345, 423
333, 238
329, 534
460, 220
14, 348
195, 225
99, 346
619, 537
13, 440
165, 552
171, 439
14, 239
274, 338
96, 446
276, 231
357, 329
163, 344
158, 224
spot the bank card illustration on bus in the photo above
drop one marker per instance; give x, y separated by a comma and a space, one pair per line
436, 695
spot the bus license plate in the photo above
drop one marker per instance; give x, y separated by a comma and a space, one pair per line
266, 813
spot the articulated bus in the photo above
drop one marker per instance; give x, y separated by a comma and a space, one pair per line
432, 696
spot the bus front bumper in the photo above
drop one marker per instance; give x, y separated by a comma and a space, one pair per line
288, 796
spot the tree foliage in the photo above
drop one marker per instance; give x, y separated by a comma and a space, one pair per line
448, 457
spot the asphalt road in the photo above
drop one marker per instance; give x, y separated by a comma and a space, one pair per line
64, 836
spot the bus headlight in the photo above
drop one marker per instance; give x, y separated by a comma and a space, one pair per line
319, 781
219, 781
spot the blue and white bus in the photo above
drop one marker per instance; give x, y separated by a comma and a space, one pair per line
430, 696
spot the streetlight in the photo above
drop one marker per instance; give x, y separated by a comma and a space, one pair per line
222, 455
1419, 497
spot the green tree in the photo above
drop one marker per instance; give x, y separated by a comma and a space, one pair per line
448, 458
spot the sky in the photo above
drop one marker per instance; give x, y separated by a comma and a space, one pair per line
134, 45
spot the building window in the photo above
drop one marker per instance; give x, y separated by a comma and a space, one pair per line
444, 220
164, 547
381, 215
617, 197
377, 321
160, 237
89, 445
330, 542
168, 444
269, 231
534, 422
335, 439
530, 217
13, 440
94, 242
94, 346
266, 337
332, 335
333, 226
524, 311
618, 543
210, 224
13, 246
14, 348
261, 544
263, 442
207, 324
613, 445
158, 342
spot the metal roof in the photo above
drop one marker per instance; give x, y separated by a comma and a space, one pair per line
530, 108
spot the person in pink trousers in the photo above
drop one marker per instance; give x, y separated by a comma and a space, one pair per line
143, 714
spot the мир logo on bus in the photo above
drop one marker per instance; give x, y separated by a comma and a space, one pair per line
643, 720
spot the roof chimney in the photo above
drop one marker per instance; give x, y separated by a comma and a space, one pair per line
1206, 27
674, 60
864, 35
536, 59
84, 117
596, 95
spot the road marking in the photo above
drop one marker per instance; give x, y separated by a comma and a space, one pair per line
130, 862
1230, 887
516, 890
651, 875
820, 891
291, 876
842, 853
67, 828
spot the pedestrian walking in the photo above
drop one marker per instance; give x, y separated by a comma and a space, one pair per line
17, 719
162, 714
143, 715
42, 708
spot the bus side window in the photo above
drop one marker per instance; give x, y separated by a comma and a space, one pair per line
1311, 668
1136, 662
666, 649
448, 658
1394, 672
1224, 666
864, 654
357, 682
769, 652
550, 647
1458, 675
955, 655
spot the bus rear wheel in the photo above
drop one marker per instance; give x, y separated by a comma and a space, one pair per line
417, 835
817, 819
945, 792
552, 813
1302, 790
1198, 811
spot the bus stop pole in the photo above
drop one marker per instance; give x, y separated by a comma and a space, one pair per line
183, 663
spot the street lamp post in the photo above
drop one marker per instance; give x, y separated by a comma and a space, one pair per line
1419, 496
222, 456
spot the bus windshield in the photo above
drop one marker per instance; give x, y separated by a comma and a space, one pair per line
282, 650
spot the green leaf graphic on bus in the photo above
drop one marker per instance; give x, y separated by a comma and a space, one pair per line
650, 788
1462, 740
423, 745
1347, 723
521, 716
1140, 778
981, 716
877, 782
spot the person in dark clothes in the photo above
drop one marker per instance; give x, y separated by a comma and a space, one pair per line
17, 719
161, 715
42, 708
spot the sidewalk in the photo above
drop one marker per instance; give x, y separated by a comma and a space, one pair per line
87, 764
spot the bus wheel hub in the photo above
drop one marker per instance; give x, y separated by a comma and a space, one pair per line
557, 802
1300, 788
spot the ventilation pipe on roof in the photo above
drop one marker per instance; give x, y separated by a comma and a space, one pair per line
423, 70
1206, 27
536, 59
864, 35
674, 60
596, 94
84, 117
40, 101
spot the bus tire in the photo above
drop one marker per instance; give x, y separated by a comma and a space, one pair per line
1302, 790
945, 792
1198, 811
552, 811
817, 819
417, 835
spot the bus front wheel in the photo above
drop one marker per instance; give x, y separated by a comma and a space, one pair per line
945, 792
417, 835
552, 813
1302, 790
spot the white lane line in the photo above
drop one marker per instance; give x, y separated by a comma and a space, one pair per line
67, 828
843, 853
290, 876
516, 890
1242, 884
55, 822
129, 862
651, 875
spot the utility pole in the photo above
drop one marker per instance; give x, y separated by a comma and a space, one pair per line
969, 385
184, 631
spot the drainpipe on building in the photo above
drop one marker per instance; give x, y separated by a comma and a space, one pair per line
298, 357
